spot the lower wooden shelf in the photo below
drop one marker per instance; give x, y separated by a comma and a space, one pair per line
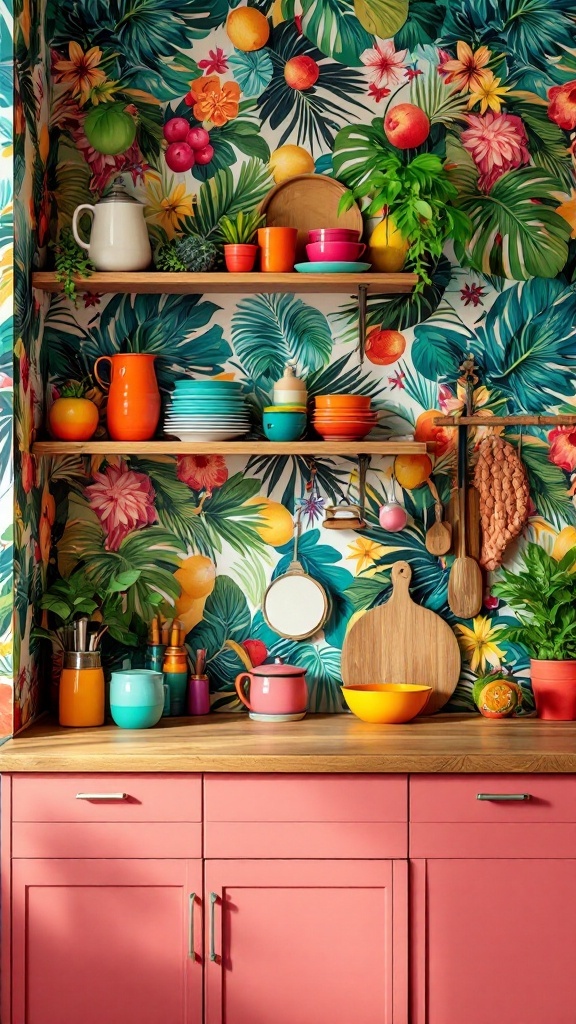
264, 448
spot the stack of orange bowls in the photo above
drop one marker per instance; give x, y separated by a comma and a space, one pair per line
343, 417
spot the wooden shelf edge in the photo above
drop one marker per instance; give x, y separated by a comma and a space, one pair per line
505, 421
259, 448
147, 282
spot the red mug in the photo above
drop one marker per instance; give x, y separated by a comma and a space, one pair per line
274, 689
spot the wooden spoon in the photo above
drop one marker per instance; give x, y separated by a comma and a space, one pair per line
439, 536
465, 583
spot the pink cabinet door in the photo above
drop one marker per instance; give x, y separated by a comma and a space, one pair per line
312, 942
493, 941
107, 942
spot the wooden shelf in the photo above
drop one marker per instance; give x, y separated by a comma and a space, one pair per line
183, 284
265, 448
505, 421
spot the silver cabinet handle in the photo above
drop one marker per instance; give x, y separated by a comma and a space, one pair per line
101, 796
191, 950
503, 796
213, 898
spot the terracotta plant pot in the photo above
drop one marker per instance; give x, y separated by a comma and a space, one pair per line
554, 686
240, 259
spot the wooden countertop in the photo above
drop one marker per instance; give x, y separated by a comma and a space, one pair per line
319, 743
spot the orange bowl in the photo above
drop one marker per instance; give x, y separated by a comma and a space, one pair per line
343, 402
343, 432
346, 417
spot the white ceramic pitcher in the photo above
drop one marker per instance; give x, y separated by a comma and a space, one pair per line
119, 236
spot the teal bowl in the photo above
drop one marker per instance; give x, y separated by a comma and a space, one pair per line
136, 717
284, 426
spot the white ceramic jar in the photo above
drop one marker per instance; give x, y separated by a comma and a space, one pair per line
119, 236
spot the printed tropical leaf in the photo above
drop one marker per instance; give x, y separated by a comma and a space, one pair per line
253, 71
546, 141
358, 149
245, 133
169, 79
422, 25
517, 232
72, 183
382, 18
332, 25
268, 330
439, 346
293, 474
323, 676
221, 195
548, 483
527, 340
443, 104
314, 114
147, 31
226, 617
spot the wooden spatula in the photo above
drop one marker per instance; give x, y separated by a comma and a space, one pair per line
439, 536
465, 583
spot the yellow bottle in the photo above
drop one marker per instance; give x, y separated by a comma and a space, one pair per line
81, 697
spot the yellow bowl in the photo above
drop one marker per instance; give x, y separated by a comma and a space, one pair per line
386, 702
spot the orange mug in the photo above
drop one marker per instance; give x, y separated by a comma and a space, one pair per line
133, 408
277, 249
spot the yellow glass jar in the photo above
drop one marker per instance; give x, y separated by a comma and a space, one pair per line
82, 697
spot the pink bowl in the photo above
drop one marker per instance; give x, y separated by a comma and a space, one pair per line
333, 235
340, 251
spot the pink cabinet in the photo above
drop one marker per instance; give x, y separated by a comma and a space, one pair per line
312, 942
106, 942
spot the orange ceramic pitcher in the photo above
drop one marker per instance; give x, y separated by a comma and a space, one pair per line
133, 400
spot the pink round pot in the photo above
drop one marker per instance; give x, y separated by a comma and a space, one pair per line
334, 235
273, 689
554, 687
347, 252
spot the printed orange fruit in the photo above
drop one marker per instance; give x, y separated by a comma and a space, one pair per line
497, 698
276, 526
565, 540
412, 471
289, 161
247, 29
384, 347
425, 430
197, 576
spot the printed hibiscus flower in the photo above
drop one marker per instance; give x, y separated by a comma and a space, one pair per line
468, 70
384, 65
563, 448
497, 143
80, 73
562, 109
213, 102
216, 63
202, 472
123, 500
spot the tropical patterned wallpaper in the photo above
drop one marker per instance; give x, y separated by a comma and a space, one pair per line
287, 87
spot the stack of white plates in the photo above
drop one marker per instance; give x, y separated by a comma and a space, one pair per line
211, 410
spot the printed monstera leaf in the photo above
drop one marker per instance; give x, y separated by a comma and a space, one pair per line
334, 27
226, 617
381, 17
268, 330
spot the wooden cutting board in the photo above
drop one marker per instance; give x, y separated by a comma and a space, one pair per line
402, 642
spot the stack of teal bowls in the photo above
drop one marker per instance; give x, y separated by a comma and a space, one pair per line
207, 410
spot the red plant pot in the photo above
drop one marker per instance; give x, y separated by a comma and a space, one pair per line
240, 259
554, 687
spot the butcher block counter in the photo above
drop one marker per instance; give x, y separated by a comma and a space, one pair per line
319, 743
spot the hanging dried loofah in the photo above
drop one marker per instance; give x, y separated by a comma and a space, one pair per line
501, 480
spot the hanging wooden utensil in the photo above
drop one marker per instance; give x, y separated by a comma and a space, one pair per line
402, 642
439, 536
465, 583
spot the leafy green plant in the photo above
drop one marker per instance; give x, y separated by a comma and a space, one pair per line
189, 253
418, 196
75, 388
70, 262
543, 595
241, 229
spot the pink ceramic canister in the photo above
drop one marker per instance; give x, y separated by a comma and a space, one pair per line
276, 689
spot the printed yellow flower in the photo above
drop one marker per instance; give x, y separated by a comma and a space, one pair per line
479, 644
469, 70
489, 94
568, 211
365, 552
81, 72
168, 211
103, 93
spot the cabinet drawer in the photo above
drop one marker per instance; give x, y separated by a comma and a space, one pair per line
310, 816
106, 839
129, 798
447, 820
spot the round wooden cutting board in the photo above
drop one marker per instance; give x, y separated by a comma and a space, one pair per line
306, 202
402, 642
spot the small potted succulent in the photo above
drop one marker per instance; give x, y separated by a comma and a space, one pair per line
190, 254
239, 233
73, 416
543, 595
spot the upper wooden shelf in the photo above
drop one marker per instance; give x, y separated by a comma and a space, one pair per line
505, 421
184, 284
305, 448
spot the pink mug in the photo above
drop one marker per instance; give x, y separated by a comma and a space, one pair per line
273, 689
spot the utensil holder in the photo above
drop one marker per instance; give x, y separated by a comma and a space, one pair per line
81, 699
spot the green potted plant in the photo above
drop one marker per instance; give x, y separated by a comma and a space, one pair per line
543, 595
239, 232
417, 216
70, 262
186, 254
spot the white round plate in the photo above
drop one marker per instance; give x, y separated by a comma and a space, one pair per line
276, 718
206, 435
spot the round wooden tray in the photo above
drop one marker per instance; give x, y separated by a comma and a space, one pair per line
306, 202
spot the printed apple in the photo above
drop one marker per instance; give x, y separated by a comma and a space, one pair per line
301, 73
179, 156
197, 138
406, 126
176, 129
204, 156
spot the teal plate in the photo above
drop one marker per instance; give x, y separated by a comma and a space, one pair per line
208, 388
332, 268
